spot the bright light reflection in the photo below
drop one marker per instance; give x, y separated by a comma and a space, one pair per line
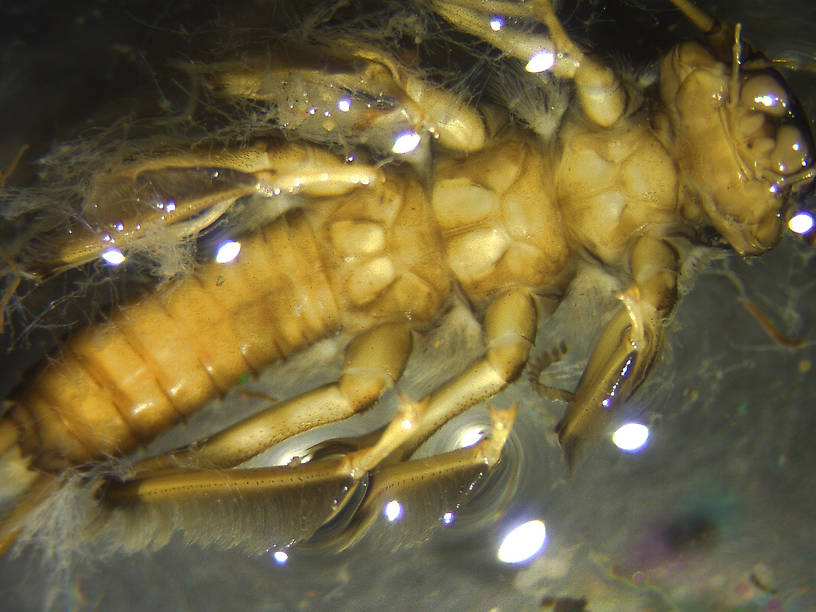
631, 437
447, 518
405, 143
344, 104
801, 223
393, 510
113, 256
227, 251
766, 100
523, 542
540, 61
280, 557
496, 24
470, 436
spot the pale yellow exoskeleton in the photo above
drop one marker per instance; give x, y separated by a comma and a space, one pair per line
172, 192
501, 220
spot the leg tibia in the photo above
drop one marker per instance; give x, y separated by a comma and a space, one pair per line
418, 494
603, 98
626, 349
257, 509
510, 324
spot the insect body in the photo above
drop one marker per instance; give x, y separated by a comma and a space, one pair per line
378, 253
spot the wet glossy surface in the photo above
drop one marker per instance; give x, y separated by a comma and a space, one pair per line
714, 513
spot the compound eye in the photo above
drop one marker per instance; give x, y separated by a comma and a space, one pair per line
792, 151
764, 93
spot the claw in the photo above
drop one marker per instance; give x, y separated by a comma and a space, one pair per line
501, 424
537, 366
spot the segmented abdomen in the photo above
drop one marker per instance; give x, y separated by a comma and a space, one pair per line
118, 385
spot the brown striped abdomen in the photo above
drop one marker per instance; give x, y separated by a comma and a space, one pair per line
347, 262
117, 385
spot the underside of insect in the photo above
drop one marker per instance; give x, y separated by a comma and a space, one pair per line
379, 199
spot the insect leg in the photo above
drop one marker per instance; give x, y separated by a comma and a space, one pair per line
170, 197
374, 361
11, 523
537, 366
11, 288
4, 174
627, 348
457, 126
422, 491
367, 97
16, 275
510, 326
720, 34
261, 508
603, 97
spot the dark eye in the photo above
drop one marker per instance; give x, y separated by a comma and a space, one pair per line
764, 92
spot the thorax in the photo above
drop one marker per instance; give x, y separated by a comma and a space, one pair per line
614, 185
499, 219
513, 215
